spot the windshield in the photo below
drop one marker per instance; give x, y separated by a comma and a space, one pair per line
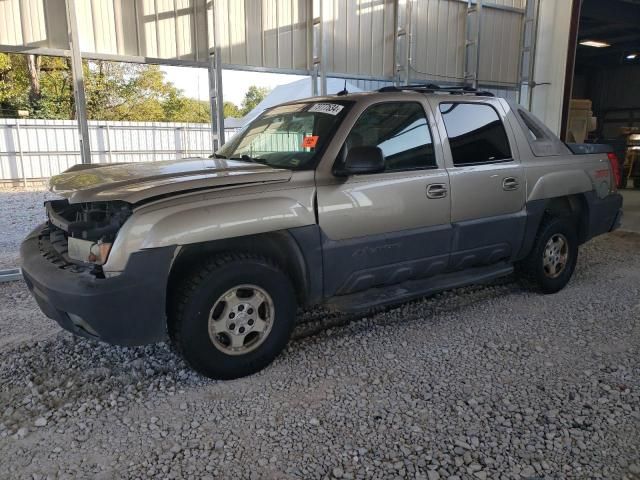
287, 136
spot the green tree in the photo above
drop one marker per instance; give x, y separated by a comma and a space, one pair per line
126, 91
231, 110
14, 86
56, 90
252, 98
114, 91
40, 85
178, 108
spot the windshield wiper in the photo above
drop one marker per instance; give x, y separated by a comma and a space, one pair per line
217, 155
247, 158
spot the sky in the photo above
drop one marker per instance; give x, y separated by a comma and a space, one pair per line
235, 83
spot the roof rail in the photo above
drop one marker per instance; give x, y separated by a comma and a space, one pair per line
432, 88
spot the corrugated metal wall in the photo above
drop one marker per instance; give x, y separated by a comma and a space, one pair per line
438, 38
359, 35
172, 29
509, 3
263, 33
34, 23
500, 38
438, 42
368, 85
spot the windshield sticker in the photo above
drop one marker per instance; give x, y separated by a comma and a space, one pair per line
310, 141
330, 108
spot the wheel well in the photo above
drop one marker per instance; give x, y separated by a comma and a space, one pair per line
278, 246
574, 206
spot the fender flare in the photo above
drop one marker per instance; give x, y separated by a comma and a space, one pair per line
575, 204
560, 184
297, 251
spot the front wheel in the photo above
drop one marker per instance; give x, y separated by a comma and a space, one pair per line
231, 317
552, 260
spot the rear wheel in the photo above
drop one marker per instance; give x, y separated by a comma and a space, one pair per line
552, 260
232, 316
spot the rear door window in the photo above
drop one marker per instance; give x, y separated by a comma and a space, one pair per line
476, 134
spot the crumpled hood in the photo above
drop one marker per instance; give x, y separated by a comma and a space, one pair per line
133, 182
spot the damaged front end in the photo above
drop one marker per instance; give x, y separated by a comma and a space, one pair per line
85, 232
62, 267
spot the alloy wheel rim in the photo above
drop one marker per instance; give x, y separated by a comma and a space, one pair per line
555, 256
241, 319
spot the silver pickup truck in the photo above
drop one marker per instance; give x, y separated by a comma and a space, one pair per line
351, 201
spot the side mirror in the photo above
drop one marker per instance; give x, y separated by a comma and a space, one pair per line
361, 160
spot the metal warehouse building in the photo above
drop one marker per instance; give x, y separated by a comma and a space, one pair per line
521, 49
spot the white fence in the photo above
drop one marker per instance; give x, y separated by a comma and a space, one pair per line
31, 149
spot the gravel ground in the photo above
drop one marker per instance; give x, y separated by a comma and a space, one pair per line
481, 382
20, 211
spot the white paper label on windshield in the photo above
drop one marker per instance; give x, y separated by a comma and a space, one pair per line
330, 108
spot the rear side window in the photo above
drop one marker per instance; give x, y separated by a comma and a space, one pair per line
400, 130
476, 133
534, 132
542, 141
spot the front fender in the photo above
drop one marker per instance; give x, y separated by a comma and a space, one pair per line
205, 221
234, 219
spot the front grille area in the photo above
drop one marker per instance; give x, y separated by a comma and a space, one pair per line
54, 243
91, 221
53, 246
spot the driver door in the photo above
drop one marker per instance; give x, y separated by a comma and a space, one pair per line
384, 228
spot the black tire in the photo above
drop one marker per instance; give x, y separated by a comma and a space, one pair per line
623, 177
532, 267
192, 303
636, 183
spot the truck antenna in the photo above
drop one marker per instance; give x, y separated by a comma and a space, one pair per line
344, 91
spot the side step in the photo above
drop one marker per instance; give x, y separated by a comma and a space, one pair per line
382, 296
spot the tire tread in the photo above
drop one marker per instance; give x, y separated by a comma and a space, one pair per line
528, 268
190, 284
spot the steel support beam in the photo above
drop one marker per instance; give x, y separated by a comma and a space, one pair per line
51, 52
472, 42
216, 100
78, 82
407, 38
396, 8
312, 57
528, 52
323, 51
402, 57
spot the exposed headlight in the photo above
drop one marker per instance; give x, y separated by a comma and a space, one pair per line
89, 251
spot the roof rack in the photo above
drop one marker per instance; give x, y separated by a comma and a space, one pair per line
432, 88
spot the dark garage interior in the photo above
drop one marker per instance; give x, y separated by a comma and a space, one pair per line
606, 81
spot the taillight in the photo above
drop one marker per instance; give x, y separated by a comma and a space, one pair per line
615, 169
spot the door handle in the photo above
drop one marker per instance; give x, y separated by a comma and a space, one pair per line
436, 190
510, 183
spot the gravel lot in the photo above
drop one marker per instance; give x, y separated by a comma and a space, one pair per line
481, 382
20, 211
